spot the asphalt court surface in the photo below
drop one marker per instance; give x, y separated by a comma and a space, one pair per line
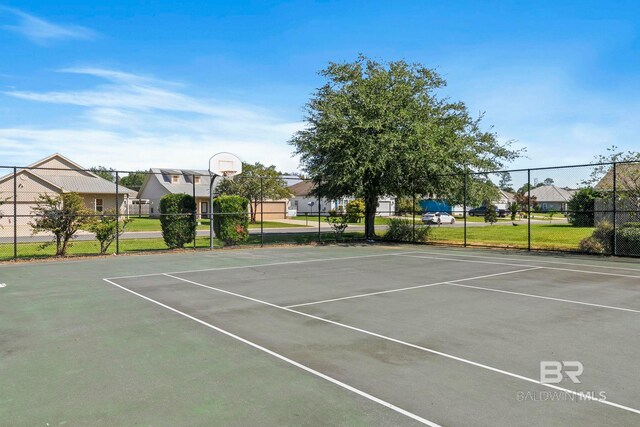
440, 337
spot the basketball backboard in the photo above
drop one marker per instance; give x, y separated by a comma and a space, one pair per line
225, 164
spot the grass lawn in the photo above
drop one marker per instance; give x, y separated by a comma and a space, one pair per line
153, 224
313, 220
543, 236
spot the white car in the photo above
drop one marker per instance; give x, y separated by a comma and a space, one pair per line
438, 218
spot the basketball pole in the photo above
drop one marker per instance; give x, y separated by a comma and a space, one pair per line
212, 180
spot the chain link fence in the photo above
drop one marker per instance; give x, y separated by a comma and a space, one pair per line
583, 208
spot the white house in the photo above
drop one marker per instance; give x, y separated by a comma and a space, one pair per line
304, 203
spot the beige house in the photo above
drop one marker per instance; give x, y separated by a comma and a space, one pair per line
55, 175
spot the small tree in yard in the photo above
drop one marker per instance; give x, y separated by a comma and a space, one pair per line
355, 210
231, 219
257, 181
177, 219
581, 207
106, 229
63, 216
491, 215
338, 225
513, 210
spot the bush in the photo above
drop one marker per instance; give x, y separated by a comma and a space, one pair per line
106, 229
178, 219
628, 239
231, 219
401, 230
581, 206
355, 210
600, 241
338, 225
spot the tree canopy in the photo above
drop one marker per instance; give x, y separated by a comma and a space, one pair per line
104, 172
134, 180
377, 129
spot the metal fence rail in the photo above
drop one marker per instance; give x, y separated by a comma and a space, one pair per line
580, 208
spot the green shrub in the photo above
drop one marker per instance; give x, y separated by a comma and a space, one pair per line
178, 219
581, 206
600, 241
355, 210
106, 229
401, 230
628, 240
338, 225
231, 219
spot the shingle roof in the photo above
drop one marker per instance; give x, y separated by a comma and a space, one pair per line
185, 185
551, 193
84, 184
302, 189
627, 175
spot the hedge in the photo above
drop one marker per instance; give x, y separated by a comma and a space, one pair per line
178, 219
231, 219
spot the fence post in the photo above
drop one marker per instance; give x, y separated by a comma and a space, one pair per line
261, 212
413, 211
319, 231
464, 208
529, 209
195, 210
117, 214
15, 213
614, 240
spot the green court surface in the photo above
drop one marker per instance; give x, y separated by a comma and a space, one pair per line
324, 335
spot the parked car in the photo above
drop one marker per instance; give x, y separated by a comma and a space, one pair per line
482, 210
438, 218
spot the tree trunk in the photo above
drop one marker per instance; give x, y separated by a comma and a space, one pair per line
370, 206
254, 208
58, 245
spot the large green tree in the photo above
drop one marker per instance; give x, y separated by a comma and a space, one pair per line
375, 129
256, 182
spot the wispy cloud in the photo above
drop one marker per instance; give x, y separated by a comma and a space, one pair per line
41, 31
130, 121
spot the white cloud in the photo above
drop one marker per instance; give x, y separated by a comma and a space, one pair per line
131, 122
40, 31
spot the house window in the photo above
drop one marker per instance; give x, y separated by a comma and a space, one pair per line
99, 205
175, 179
196, 179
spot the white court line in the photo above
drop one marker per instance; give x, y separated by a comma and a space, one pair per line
408, 288
417, 347
637, 270
520, 265
237, 267
286, 359
452, 283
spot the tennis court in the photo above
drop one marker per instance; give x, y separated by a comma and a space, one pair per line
330, 335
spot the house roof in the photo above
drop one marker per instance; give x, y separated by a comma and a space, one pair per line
302, 189
551, 193
510, 197
87, 182
185, 184
627, 175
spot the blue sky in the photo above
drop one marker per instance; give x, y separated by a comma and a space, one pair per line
135, 84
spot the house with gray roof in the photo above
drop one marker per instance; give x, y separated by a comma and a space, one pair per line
552, 198
159, 182
55, 175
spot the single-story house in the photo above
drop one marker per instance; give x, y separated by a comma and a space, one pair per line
55, 175
504, 199
160, 182
550, 197
304, 203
